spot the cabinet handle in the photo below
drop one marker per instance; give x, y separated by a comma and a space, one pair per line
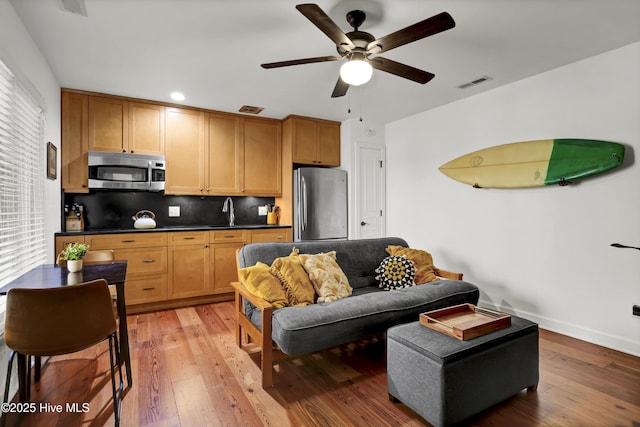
229, 237
148, 289
148, 260
280, 237
128, 241
189, 238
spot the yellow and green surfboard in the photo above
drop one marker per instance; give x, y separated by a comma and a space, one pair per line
535, 163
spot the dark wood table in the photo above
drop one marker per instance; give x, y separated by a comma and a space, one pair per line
52, 276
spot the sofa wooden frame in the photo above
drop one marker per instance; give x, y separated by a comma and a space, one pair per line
246, 332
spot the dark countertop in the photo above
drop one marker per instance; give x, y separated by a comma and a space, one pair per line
169, 228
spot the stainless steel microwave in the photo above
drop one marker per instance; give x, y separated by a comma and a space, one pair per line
123, 171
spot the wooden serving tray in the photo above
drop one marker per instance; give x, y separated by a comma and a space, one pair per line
465, 321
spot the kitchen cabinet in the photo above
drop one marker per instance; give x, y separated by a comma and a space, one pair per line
108, 124
262, 235
74, 143
225, 155
207, 152
262, 155
146, 256
145, 289
185, 152
189, 265
223, 265
177, 268
239, 156
63, 241
146, 128
103, 123
125, 240
305, 141
313, 141
121, 126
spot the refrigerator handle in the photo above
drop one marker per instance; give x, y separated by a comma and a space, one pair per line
303, 203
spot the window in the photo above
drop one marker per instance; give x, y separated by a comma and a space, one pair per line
22, 172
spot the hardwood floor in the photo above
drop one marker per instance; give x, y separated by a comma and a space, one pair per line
188, 372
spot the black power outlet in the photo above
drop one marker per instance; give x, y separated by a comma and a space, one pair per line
636, 310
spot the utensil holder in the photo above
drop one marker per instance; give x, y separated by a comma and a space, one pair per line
272, 218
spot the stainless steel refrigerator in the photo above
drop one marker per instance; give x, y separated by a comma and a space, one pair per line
320, 204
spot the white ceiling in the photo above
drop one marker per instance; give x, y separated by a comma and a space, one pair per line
211, 50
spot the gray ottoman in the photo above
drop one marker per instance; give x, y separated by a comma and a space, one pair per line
447, 381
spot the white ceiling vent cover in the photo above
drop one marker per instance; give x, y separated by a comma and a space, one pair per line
475, 82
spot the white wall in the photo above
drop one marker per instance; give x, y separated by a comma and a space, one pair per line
20, 54
541, 253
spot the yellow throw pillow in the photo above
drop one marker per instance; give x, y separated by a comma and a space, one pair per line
422, 260
259, 281
326, 275
294, 280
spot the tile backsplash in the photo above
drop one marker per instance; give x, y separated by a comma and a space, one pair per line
114, 209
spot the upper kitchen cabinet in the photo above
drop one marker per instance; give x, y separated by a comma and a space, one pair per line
313, 141
121, 126
225, 155
262, 155
244, 156
185, 152
146, 128
75, 143
108, 124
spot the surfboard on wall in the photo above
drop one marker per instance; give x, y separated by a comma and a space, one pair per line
535, 163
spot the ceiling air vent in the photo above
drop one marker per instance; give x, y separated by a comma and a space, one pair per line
249, 109
474, 82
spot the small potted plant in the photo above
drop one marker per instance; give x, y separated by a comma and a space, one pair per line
73, 254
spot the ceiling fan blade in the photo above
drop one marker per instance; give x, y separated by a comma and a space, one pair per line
340, 89
430, 26
301, 61
325, 24
401, 70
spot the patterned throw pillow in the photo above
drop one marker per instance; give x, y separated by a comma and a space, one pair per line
259, 281
294, 280
396, 272
326, 275
422, 260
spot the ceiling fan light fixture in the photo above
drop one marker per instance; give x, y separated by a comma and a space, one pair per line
356, 71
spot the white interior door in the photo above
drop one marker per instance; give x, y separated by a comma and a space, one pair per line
370, 191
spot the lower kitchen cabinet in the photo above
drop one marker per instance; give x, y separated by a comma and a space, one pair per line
224, 266
262, 235
63, 241
146, 289
146, 256
180, 268
189, 271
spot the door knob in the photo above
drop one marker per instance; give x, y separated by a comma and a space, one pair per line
363, 223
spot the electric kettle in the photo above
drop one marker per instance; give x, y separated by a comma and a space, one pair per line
144, 219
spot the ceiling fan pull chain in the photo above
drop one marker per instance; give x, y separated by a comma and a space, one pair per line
360, 95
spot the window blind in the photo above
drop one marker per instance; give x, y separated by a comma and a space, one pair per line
22, 172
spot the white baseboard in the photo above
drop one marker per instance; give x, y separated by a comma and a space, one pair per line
575, 331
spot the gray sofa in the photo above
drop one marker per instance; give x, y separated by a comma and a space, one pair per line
368, 311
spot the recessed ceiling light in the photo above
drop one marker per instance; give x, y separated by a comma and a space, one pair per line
177, 96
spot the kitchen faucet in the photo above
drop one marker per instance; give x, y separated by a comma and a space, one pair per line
228, 207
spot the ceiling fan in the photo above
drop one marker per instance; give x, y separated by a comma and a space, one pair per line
359, 46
